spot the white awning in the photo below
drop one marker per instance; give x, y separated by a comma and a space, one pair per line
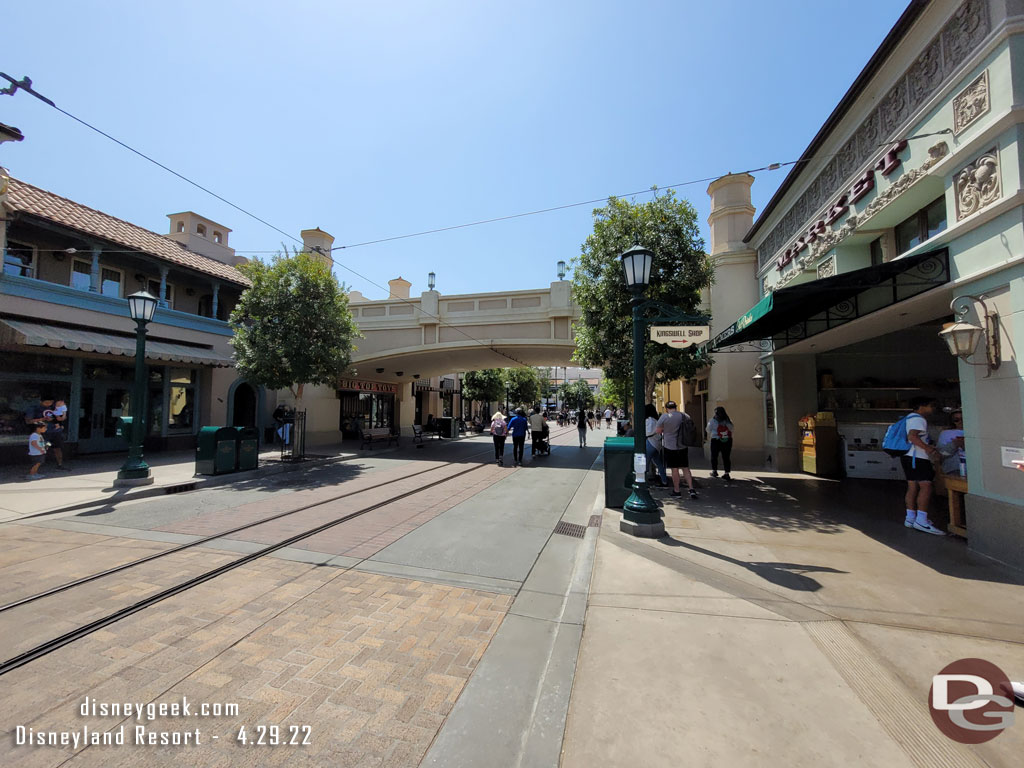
55, 337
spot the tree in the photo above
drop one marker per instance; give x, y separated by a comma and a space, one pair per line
615, 392
292, 326
680, 270
576, 394
523, 386
486, 386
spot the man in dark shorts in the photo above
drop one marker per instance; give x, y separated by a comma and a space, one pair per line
670, 426
918, 468
54, 435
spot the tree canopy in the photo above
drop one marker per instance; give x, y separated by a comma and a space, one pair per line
486, 386
524, 386
292, 326
615, 392
680, 270
576, 394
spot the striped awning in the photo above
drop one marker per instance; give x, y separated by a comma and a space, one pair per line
31, 334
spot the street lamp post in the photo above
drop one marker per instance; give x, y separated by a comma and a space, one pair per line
135, 471
640, 513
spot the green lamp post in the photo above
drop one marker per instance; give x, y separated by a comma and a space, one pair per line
640, 514
135, 471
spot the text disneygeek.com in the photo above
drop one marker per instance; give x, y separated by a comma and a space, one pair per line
143, 733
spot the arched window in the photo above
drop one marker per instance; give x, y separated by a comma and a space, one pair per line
181, 226
217, 237
201, 230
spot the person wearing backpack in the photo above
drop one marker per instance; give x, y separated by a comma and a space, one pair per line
677, 431
720, 435
499, 432
917, 465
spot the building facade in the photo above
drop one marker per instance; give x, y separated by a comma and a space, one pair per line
908, 199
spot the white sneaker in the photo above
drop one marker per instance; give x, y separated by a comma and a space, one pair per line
929, 528
909, 522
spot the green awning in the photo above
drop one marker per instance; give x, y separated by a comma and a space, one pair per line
799, 311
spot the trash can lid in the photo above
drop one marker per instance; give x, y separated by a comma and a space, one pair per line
619, 444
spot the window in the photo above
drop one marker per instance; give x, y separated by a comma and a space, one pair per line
217, 236
110, 282
924, 224
19, 260
201, 230
153, 286
81, 275
877, 257
181, 226
182, 399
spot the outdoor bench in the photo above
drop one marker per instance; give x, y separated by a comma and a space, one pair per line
377, 435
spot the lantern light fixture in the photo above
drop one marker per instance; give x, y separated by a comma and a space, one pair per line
431, 280
758, 377
636, 267
142, 306
561, 270
963, 337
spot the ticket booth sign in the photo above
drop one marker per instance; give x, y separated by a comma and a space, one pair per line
680, 336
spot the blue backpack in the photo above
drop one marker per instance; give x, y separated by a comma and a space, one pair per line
896, 443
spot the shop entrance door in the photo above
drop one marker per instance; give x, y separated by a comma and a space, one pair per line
102, 404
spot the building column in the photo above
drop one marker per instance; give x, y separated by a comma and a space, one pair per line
214, 302
163, 287
94, 272
405, 401
793, 379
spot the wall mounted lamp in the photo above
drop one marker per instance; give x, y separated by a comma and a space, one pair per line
415, 375
380, 370
398, 373
758, 377
962, 337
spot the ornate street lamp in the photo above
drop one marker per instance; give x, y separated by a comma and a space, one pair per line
758, 378
135, 471
962, 337
431, 279
561, 270
640, 513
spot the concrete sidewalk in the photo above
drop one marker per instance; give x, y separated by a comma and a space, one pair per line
785, 620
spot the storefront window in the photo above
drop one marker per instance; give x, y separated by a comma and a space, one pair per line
155, 414
182, 400
366, 410
16, 397
21, 362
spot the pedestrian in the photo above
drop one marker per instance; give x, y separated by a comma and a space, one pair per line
590, 419
581, 427
536, 429
654, 455
720, 434
674, 427
517, 427
44, 413
608, 417
37, 451
917, 466
499, 431
951, 446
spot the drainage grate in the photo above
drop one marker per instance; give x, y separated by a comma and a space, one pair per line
595, 521
571, 529
180, 488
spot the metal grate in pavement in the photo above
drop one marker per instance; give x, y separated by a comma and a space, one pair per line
571, 529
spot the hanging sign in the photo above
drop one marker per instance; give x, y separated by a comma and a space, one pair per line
680, 336
365, 386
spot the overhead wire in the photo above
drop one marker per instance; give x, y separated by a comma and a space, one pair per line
26, 85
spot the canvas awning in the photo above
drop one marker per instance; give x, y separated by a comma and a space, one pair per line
31, 334
799, 311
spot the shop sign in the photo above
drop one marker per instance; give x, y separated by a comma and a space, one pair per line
366, 386
680, 336
886, 165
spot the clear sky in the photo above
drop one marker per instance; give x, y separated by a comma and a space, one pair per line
372, 119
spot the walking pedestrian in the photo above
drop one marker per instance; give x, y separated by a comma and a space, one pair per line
536, 429
581, 427
917, 466
674, 427
720, 434
608, 417
654, 456
517, 427
45, 413
499, 431
590, 419
37, 451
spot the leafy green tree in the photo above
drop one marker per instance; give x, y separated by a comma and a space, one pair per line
576, 394
524, 386
615, 392
486, 386
292, 326
680, 270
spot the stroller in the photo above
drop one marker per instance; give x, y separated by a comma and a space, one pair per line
543, 445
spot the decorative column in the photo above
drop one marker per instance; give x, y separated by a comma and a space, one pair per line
94, 272
214, 302
163, 287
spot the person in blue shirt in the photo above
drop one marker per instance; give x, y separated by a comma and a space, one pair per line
517, 427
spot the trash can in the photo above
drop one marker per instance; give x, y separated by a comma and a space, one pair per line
447, 426
618, 470
248, 448
216, 450
123, 427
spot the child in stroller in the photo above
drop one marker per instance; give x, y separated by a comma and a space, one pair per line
543, 447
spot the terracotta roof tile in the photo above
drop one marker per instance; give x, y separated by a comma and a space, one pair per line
26, 198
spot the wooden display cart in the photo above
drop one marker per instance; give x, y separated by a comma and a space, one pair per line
957, 487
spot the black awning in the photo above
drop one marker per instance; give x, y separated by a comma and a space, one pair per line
797, 312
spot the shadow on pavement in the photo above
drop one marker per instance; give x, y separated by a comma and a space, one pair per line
787, 575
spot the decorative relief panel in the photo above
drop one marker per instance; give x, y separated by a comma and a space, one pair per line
955, 42
977, 185
971, 103
827, 268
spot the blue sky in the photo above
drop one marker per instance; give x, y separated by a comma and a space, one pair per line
376, 119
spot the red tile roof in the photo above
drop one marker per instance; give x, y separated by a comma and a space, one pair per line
26, 198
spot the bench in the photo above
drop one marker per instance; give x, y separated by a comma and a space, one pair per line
377, 435
417, 433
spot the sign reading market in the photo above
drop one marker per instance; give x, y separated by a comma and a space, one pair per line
864, 183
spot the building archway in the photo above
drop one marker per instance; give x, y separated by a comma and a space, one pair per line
245, 404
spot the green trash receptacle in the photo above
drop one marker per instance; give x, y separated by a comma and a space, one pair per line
123, 427
446, 427
216, 450
248, 448
618, 470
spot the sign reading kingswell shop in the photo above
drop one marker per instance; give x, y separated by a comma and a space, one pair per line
680, 336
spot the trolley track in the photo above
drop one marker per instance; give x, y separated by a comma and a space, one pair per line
44, 648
